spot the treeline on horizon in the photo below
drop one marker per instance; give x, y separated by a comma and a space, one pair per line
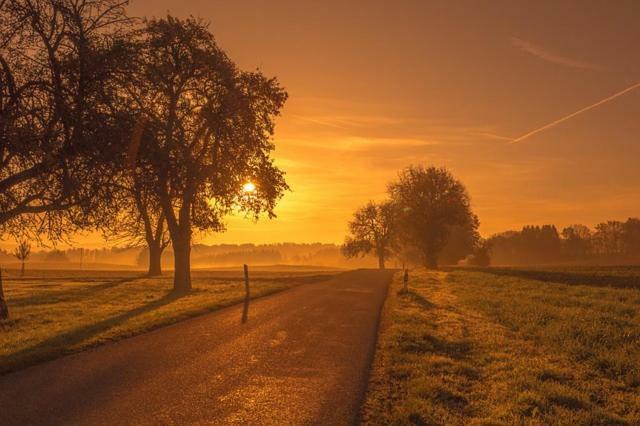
610, 242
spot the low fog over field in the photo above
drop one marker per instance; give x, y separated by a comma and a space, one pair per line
202, 256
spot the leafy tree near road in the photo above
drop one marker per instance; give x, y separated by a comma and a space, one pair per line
371, 231
430, 201
22, 253
57, 120
207, 130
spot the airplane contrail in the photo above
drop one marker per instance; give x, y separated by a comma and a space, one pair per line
587, 108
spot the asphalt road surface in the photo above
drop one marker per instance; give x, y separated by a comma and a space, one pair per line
302, 357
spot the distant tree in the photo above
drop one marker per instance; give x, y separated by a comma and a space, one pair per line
539, 244
577, 241
138, 218
430, 201
631, 237
22, 253
608, 238
371, 231
57, 121
208, 129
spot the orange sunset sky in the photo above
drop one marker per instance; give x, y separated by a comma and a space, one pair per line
378, 85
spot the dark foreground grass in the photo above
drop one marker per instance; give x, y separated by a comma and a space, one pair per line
475, 348
59, 312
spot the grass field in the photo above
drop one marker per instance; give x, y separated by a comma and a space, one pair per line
502, 347
53, 313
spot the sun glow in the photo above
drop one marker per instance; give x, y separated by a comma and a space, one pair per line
249, 187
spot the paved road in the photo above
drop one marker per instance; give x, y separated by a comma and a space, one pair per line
301, 358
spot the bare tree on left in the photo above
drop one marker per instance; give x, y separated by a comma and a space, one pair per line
58, 112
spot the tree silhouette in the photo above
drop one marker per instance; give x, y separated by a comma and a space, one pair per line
208, 129
430, 201
577, 242
371, 230
57, 123
631, 237
22, 253
608, 238
136, 216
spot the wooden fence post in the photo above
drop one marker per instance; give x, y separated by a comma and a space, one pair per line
246, 280
4, 309
245, 310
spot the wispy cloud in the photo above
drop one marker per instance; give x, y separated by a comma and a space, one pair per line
548, 56
573, 114
355, 144
345, 121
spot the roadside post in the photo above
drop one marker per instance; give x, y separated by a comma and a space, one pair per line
245, 311
246, 280
4, 309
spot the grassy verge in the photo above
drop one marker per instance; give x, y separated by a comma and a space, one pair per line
56, 313
475, 348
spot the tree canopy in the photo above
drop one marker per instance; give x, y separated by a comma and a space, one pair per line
57, 118
207, 131
430, 201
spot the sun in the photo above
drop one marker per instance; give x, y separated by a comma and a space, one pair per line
249, 187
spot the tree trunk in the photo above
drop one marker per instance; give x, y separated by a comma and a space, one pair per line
4, 309
182, 259
155, 260
22, 269
381, 261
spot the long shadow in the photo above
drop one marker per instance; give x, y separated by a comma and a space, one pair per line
571, 278
57, 297
417, 298
56, 345
428, 343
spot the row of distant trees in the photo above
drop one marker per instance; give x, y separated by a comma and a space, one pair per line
609, 242
142, 129
427, 220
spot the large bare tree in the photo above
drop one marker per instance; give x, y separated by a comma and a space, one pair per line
208, 129
57, 117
